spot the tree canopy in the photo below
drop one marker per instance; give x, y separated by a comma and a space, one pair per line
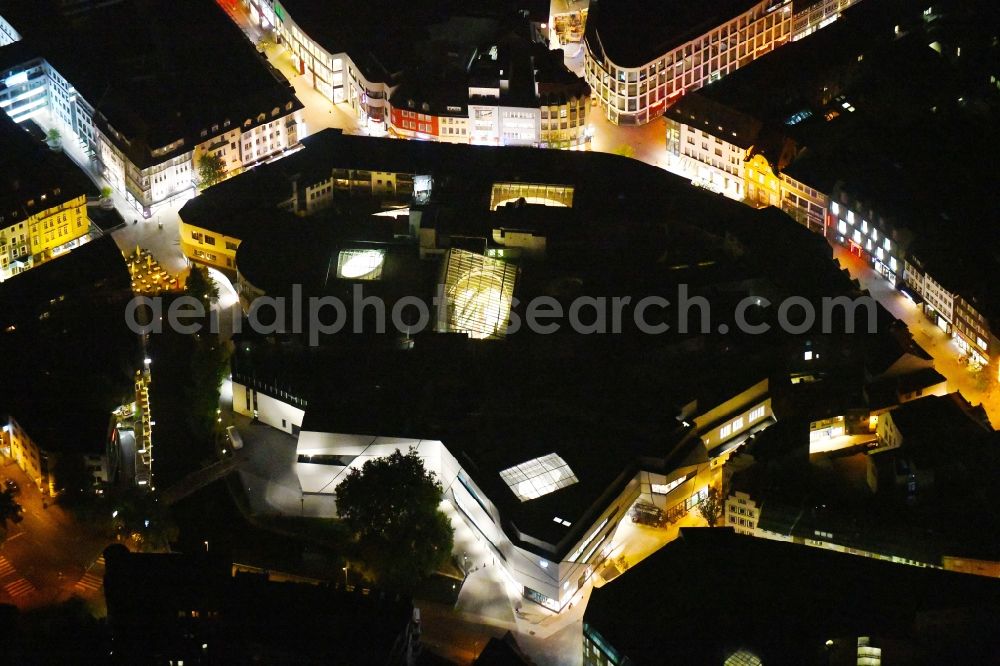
211, 169
391, 507
10, 510
711, 507
201, 285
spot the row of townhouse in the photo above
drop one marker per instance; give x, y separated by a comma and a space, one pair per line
512, 92
147, 144
43, 202
730, 138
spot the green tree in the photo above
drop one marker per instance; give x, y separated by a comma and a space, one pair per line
625, 150
711, 507
10, 510
209, 366
211, 169
140, 517
391, 507
201, 285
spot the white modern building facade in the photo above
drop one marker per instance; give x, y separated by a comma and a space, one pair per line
552, 574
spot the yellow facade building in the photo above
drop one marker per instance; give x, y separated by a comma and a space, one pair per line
43, 202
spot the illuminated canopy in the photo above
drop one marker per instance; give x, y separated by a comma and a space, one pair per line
538, 476
360, 264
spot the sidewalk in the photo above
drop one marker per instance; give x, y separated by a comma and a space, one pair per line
925, 333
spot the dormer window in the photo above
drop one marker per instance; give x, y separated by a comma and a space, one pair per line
410, 103
275, 111
215, 128
226, 123
204, 133
425, 106
261, 117
247, 122
288, 106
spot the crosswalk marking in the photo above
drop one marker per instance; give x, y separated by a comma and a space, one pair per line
100, 561
90, 582
19, 588
6, 568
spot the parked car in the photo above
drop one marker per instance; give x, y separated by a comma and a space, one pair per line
234, 437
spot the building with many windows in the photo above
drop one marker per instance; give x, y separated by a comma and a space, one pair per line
811, 122
472, 73
43, 202
642, 56
145, 123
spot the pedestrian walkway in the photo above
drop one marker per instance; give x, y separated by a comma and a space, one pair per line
90, 583
18, 588
13, 584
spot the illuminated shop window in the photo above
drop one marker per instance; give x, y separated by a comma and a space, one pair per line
538, 476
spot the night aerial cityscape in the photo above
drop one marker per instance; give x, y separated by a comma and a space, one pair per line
500, 332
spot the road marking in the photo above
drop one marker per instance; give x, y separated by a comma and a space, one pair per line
100, 560
19, 588
90, 582
6, 568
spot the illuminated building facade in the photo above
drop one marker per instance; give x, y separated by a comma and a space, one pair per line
513, 92
540, 502
640, 59
95, 441
634, 82
43, 202
146, 147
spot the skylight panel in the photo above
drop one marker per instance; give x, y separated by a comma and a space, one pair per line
538, 476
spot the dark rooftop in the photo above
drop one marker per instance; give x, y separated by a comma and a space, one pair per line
147, 73
245, 618
32, 177
783, 604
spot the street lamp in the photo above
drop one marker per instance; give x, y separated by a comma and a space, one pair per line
345, 577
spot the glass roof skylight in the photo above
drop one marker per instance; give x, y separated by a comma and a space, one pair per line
538, 476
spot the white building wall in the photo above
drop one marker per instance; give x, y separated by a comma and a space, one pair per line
275, 413
711, 162
7, 33
557, 581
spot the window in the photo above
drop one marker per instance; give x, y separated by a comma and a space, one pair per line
726, 430
756, 413
738, 424
664, 488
